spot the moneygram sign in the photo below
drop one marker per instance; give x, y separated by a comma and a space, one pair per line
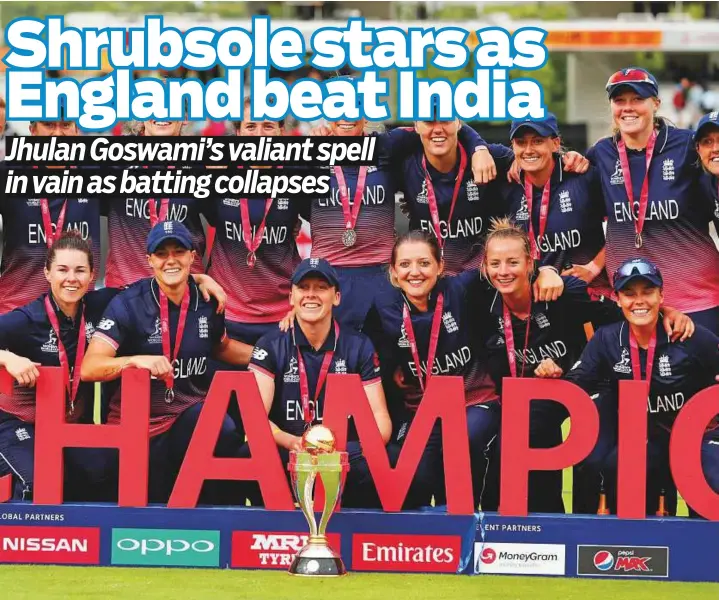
519, 559
166, 547
270, 549
50, 545
623, 561
406, 553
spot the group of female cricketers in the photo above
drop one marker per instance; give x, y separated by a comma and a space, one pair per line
520, 261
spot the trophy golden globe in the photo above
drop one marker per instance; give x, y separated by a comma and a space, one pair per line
318, 458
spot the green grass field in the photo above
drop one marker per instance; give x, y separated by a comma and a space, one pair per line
63, 583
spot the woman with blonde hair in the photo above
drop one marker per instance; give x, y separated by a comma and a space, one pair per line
529, 338
428, 324
655, 205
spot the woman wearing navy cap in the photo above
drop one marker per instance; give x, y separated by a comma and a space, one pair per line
561, 211
706, 137
543, 339
292, 367
53, 330
129, 220
639, 348
655, 206
164, 325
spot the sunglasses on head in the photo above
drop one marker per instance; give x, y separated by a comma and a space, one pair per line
636, 268
629, 76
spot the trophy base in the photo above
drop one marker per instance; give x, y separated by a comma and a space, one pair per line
317, 560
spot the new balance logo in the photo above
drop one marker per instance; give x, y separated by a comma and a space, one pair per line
259, 353
106, 324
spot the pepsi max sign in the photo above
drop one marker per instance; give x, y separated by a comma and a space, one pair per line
623, 561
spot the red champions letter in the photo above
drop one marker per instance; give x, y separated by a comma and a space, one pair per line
443, 399
6, 385
518, 459
264, 466
632, 450
685, 452
131, 437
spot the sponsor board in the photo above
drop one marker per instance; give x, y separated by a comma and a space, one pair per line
623, 561
519, 559
50, 545
406, 553
166, 547
270, 549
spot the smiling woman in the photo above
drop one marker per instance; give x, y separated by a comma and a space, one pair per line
650, 177
164, 324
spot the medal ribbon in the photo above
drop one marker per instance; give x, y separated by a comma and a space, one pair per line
351, 216
50, 237
72, 384
509, 340
636, 365
433, 339
164, 209
543, 214
644, 195
252, 242
432, 198
304, 384
165, 321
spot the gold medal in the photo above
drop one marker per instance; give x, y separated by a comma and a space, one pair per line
638, 241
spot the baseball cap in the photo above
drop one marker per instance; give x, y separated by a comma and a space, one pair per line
709, 120
168, 230
318, 267
637, 268
546, 127
639, 80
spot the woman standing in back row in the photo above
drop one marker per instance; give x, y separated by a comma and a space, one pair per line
656, 208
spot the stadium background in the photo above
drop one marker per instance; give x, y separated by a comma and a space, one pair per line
587, 42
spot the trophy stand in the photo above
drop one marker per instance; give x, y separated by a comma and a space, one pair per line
318, 458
